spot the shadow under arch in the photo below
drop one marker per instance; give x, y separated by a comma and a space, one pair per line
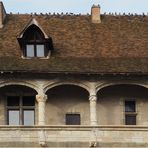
104, 85
29, 85
66, 100
112, 98
81, 85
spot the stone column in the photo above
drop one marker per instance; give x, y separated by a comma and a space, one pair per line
41, 98
93, 103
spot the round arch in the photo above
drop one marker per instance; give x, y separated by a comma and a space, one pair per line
19, 83
112, 97
103, 85
79, 84
67, 98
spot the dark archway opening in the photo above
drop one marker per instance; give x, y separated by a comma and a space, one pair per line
123, 104
67, 104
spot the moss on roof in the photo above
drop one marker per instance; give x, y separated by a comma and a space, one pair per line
75, 65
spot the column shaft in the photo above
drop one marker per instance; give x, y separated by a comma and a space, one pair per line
41, 108
93, 111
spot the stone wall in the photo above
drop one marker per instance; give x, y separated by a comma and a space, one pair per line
74, 136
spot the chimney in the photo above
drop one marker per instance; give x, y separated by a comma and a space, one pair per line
2, 14
95, 14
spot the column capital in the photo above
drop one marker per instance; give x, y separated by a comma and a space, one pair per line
41, 97
93, 98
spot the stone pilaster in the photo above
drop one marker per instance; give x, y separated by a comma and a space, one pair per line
41, 99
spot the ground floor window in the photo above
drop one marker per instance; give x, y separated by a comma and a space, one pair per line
72, 119
20, 110
130, 113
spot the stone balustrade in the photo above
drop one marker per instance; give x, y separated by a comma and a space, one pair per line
74, 136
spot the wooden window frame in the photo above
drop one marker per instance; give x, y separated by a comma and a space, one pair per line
35, 49
20, 108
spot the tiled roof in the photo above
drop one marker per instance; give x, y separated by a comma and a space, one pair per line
76, 65
117, 44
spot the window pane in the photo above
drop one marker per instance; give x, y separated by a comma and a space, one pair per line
130, 119
29, 101
130, 106
72, 119
13, 101
30, 50
28, 117
13, 117
40, 50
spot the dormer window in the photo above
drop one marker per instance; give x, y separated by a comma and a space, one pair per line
34, 42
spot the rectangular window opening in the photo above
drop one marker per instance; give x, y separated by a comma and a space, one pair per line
13, 117
130, 119
130, 113
72, 119
28, 100
30, 51
40, 52
28, 117
13, 101
130, 106
21, 110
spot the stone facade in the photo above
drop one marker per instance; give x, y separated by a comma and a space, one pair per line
93, 66
100, 104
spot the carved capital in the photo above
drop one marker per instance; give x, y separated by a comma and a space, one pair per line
41, 97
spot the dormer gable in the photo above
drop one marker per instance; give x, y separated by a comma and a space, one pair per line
34, 42
32, 22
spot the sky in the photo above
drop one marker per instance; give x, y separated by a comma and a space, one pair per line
75, 6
